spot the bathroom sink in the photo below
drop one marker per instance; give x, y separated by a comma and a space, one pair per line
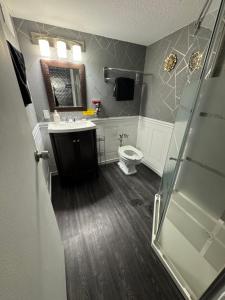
63, 126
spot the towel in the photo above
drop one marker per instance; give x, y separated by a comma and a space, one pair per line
20, 70
124, 89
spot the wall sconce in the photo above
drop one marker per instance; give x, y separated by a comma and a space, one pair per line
76, 49
61, 49
44, 47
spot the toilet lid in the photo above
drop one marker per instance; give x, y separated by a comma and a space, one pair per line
130, 152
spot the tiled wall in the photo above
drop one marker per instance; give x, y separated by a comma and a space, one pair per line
100, 52
163, 90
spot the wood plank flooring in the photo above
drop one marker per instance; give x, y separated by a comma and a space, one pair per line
105, 224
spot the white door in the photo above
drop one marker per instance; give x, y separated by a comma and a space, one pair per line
31, 252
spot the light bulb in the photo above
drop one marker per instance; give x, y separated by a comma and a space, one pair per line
61, 49
44, 47
76, 52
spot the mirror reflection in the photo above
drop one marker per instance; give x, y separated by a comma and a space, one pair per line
66, 86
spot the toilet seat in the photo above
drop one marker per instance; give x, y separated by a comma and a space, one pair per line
130, 153
129, 158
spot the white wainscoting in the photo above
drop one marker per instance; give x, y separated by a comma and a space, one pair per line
151, 136
40, 146
111, 128
37, 137
153, 140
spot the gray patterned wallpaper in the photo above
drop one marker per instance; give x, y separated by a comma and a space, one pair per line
161, 94
100, 52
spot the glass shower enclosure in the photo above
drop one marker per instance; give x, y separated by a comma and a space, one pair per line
189, 213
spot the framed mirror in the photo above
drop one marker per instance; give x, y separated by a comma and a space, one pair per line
65, 85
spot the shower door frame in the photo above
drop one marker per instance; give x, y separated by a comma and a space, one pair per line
157, 224
204, 72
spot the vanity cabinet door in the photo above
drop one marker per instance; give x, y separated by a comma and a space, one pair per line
65, 151
75, 153
87, 151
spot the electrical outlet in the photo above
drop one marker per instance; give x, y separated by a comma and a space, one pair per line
46, 114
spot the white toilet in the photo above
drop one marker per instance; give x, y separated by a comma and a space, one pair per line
129, 157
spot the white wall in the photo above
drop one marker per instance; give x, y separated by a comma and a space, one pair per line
31, 251
111, 128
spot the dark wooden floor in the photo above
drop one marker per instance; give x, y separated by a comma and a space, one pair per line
105, 225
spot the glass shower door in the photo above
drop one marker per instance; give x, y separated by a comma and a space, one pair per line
183, 116
198, 42
191, 238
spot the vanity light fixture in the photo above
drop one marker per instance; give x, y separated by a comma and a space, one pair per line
44, 47
61, 44
61, 49
76, 49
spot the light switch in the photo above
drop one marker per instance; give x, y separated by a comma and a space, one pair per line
46, 114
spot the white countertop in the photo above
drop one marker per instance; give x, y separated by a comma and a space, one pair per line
63, 126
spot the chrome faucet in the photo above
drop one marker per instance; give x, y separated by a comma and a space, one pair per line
121, 137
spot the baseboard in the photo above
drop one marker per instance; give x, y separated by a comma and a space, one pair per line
152, 168
54, 173
108, 161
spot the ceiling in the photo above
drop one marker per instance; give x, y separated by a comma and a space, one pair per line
137, 21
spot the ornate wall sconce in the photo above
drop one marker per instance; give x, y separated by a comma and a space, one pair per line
195, 61
170, 62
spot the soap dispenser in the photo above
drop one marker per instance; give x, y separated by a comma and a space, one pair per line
56, 116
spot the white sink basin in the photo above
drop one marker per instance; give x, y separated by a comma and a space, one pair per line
60, 127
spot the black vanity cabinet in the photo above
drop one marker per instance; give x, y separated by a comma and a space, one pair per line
75, 153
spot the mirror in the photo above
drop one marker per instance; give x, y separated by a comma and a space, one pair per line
65, 85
